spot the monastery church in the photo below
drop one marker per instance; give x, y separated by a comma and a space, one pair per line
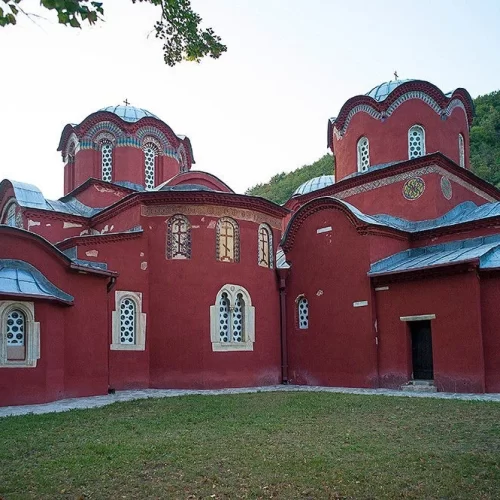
149, 274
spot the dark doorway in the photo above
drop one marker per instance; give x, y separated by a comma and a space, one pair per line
421, 350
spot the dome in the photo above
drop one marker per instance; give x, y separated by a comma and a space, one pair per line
129, 113
314, 184
380, 92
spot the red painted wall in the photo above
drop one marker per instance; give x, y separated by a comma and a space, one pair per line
490, 314
456, 332
389, 139
330, 269
100, 196
73, 339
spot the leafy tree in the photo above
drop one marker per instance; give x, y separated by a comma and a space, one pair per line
178, 26
282, 185
485, 138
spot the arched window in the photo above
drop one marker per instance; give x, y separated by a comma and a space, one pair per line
461, 150
178, 238
106, 161
232, 320
302, 313
227, 240
363, 154
19, 334
128, 322
150, 154
11, 215
265, 257
416, 142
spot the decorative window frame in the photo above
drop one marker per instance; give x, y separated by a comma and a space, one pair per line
422, 129
170, 239
31, 334
102, 143
140, 326
359, 155
461, 150
236, 240
298, 300
232, 292
269, 246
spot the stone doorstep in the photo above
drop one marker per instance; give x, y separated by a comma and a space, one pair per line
419, 386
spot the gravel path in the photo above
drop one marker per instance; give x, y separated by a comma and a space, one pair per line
98, 401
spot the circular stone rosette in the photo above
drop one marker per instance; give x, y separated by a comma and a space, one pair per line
446, 188
413, 188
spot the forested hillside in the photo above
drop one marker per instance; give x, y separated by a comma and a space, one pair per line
484, 154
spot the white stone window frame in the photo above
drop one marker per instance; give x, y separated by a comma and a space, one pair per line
461, 150
363, 163
140, 323
422, 135
31, 334
232, 292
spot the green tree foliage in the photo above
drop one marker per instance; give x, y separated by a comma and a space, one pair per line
282, 185
178, 25
484, 154
485, 138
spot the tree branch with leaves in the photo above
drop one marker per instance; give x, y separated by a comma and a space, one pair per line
178, 25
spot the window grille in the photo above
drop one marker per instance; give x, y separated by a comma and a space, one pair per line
232, 320
224, 318
127, 321
178, 238
363, 154
461, 150
16, 325
303, 313
10, 217
416, 142
107, 161
149, 166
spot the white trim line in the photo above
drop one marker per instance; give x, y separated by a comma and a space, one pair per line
421, 317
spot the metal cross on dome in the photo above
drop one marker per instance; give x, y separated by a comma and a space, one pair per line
126, 102
396, 75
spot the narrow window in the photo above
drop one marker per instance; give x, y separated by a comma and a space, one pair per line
461, 150
363, 154
238, 315
127, 321
303, 313
178, 238
224, 334
107, 161
416, 142
150, 154
265, 258
228, 240
16, 330
10, 215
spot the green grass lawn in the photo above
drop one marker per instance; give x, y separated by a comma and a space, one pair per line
267, 445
